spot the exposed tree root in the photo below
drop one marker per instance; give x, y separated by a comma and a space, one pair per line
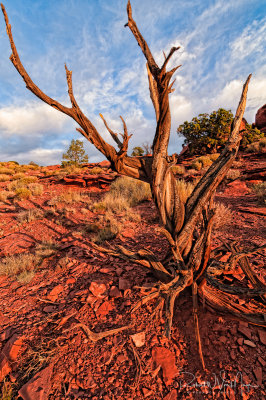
94, 337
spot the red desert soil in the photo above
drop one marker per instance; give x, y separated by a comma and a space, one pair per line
44, 356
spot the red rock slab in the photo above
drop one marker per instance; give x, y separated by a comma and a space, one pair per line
53, 295
97, 289
39, 386
166, 359
171, 395
4, 367
15, 243
260, 119
13, 347
236, 188
104, 308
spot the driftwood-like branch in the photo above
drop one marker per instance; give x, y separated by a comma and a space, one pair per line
187, 227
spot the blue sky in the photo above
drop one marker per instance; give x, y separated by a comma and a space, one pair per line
221, 42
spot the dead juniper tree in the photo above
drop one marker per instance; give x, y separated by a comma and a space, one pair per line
191, 262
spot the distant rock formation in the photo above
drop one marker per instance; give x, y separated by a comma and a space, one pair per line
260, 119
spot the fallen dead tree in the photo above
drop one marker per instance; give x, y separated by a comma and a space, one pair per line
188, 227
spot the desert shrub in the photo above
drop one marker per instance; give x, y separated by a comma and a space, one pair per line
28, 179
192, 171
262, 144
6, 171
96, 171
50, 213
91, 228
4, 178
260, 191
111, 228
22, 193
237, 164
196, 165
184, 189
131, 189
34, 164
205, 161
29, 215
18, 175
46, 248
36, 189
69, 197
3, 195
179, 169
222, 217
130, 215
209, 132
137, 151
232, 174
214, 156
20, 266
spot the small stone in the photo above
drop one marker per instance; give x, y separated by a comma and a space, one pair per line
258, 375
146, 392
114, 292
233, 355
138, 339
4, 367
48, 309
124, 284
97, 289
38, 387
13, 347
166, 359
241, 349
70, 281
223, 339
171, 395
240, 341
249, 343
261, 361
104, 308
245, 331
262, 336
53, 295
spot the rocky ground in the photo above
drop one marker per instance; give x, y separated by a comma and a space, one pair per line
44, 351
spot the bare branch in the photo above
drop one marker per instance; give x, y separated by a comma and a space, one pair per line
153, 93
167, 59
112, 133
141, 42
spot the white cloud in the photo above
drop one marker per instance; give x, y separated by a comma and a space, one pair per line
39, 155
251, 41
229, 96
30, 119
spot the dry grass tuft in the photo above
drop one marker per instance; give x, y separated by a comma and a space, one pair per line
178, 169
96, 171
21, 266
233, 174
36, 189
184, 189
260, 191
23, 193
5, 178
30, 215
223, 216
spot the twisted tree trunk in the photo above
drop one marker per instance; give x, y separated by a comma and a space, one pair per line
187, 227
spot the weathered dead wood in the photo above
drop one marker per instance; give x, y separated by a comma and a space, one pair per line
187, 227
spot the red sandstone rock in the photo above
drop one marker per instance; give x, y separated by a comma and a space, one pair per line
124, 284
104, 164
260, 119
13, 347
262, 335
114, 292
236, 188
39, 386
53, 295
171, 395
166, 359
4, 367
138, 339
104, 308
245, 331
97, 289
